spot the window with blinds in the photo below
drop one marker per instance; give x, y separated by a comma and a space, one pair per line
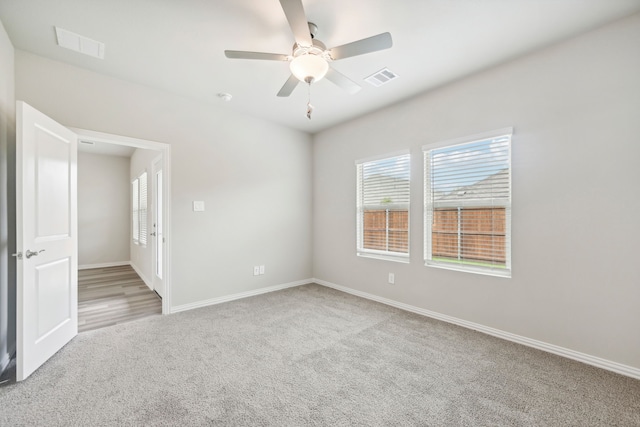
139, 209
468, 203
383, 207
142, 209
135, 216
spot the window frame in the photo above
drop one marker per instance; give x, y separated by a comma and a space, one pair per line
430, 209
361, 251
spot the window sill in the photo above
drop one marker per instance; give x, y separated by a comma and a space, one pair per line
384, 257
506, 273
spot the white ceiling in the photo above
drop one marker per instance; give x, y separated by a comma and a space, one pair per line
178, 45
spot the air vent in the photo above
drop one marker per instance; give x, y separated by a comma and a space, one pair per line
79, 43
381, 77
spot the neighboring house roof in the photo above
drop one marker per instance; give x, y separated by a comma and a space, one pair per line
393, 190
493, 187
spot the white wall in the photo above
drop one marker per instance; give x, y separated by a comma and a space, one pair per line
7, 199
575, 109
103, 209
142, 256
254, 176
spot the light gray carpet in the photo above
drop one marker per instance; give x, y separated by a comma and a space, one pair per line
311, 356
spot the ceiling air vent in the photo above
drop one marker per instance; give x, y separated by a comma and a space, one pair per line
381, 77
79, 43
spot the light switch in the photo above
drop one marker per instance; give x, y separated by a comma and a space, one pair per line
198, 206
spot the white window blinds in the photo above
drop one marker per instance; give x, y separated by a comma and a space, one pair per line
139, 209
383, 207
135, 216
468, 204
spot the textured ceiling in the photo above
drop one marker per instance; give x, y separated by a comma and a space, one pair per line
178, 45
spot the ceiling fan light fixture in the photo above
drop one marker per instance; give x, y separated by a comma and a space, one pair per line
309, 67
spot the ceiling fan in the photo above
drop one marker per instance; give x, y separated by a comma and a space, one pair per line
310, 58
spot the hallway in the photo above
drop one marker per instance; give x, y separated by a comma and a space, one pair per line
113, 295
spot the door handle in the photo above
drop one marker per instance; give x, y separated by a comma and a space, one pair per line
153, 234
29, 253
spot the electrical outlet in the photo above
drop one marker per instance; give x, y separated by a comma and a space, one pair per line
262, 269
256, 270
392, 278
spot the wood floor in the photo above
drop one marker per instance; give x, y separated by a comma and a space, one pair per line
113, 295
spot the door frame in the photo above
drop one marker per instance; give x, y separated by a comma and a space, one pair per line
165, 149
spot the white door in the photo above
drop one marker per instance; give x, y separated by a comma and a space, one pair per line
157, 235
47, 241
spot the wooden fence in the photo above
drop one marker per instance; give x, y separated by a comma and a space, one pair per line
386, 230
469, 234
473, 234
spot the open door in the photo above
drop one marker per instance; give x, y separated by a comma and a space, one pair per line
157, 236
47, 240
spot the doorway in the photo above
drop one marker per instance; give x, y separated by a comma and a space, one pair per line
115, 253
160, 197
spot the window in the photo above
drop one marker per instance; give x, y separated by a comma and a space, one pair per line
139, 209
468, 203
135, 216
383, 207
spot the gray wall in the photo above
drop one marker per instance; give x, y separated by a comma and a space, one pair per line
254, 176
575, 109
103, 209
7, 199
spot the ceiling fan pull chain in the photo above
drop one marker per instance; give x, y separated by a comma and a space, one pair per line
309, 106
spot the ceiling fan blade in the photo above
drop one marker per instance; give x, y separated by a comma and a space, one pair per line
360, 47
239, 54
343, 81
297, 19
289, 86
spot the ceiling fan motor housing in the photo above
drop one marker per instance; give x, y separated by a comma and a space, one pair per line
318, 48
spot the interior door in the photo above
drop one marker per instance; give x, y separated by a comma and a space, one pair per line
157, 235
47, 241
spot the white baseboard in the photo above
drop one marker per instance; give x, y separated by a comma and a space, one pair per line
104, 265
144, 278
598, 362
227, 298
